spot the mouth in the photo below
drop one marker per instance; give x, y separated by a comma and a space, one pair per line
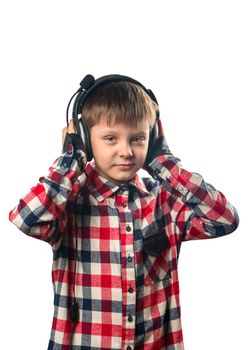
125, 166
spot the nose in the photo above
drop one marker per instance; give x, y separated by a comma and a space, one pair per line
125, 150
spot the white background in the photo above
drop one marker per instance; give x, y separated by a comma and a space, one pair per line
193, 55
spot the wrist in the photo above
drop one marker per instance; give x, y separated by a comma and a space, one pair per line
72, 139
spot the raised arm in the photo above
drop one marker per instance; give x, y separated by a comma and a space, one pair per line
41, 212
199, 210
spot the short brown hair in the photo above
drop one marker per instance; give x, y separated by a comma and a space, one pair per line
119, 102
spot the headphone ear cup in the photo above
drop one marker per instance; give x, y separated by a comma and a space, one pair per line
152, 138
85, 135
154, 132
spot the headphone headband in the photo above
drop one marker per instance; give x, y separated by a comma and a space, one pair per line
89, 84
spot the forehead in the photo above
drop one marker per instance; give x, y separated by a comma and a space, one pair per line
103, 126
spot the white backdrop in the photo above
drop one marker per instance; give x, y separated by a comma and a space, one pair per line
193, 55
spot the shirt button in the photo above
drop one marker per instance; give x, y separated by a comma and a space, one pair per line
124, 205
130, 319
130, 290
128, 228
129, 259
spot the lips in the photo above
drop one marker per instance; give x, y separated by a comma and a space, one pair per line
129, 164
124, 166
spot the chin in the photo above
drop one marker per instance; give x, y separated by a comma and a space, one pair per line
124, 179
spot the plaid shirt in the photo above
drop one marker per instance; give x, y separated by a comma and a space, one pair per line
127, 240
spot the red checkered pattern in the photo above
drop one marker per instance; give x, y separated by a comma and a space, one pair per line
124, 241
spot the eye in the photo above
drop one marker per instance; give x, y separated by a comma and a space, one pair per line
109, 138
138, 139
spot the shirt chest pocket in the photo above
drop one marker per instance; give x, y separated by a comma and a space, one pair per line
156, 250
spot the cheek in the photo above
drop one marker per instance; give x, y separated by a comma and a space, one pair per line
101, 153
141, 154
96, 147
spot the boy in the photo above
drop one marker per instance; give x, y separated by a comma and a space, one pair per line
116, 236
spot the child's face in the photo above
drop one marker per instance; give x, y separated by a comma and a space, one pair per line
119, 151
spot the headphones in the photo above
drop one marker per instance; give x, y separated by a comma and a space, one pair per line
87, 86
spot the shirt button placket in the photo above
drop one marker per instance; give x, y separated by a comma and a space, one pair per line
128, 272
130, 297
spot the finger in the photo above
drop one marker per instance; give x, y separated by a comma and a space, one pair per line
160, 128
71, 128
64, 131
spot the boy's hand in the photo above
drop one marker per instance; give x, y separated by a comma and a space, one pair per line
69, 135
157, 144
67, 130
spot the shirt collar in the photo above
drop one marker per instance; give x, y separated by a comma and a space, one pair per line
102, 188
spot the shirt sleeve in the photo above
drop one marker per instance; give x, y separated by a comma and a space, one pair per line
200, 211
41, 212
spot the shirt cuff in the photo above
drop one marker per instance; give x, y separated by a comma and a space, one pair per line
167, 169
67, 168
